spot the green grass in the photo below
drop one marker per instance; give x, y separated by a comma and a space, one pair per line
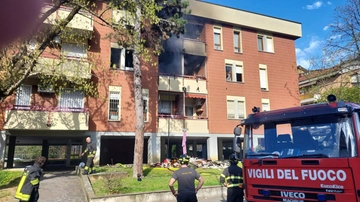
9, 178
8, 182
156, 179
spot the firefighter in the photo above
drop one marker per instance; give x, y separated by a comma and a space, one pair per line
28, 188
90, 151
185, 177
232, 178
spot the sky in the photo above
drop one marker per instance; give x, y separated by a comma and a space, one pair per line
314, 16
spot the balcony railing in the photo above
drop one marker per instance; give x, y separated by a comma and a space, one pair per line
177, 125
46, 118
176, 84
64, 67
82, 22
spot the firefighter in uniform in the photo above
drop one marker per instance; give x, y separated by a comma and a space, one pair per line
90, 151
232, 178
185, 177
28, 188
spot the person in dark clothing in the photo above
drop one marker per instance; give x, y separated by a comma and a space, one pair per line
232, 178
28, 188
185, 177
90, 151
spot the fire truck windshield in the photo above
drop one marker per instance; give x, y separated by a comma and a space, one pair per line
330, 136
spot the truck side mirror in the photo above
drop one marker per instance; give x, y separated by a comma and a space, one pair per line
237, 144
237, 131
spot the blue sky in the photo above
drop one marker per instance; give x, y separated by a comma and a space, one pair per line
313, 15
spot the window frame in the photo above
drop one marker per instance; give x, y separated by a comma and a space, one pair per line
18, 98
238, 31
263, 67
114, 89
74, 55
265, 101
71, 108
122, 58
267, 43
237, 100
218, 30
235, 65
145, 95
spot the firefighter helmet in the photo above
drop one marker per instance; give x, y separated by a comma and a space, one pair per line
233, 159
184, 159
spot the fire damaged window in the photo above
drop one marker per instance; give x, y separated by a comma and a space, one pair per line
121, 58
234, 71
217, 38
114, 103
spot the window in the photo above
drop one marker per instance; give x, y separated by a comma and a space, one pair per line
122, 16
145, 94
23, 97
237, 41
74, 50
71, 99
234, 70
114, 103
217, 38
121, 58
265, 104
189, 111
263, 77
355, 80
235, 107
265, 43
165, 107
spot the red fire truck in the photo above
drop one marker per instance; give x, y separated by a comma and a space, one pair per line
302, 154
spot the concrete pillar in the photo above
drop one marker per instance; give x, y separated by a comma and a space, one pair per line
97, 138
11, 152
162, 149
45, 150
68, 153
212, 145
154, 149
194, 146
221, 149
2, 148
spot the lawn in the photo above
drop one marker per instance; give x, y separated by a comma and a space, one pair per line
156, 179
8, 184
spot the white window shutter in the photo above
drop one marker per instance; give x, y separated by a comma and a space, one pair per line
231, 109
233, 69
263, 79
122, 58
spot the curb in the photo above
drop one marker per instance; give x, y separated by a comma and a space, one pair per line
205, 192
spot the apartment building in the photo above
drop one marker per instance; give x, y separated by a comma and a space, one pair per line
314, 83
207, 80
229, 61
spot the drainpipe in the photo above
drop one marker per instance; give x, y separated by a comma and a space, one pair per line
168, 120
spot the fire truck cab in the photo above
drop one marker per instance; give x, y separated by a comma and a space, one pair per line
302, 154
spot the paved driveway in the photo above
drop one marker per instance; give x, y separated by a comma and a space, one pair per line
61, 186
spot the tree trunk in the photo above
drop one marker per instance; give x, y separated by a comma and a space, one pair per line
139, 130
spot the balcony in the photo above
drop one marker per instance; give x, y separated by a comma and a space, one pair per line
194, 47
82, 23
306, 96
176, 84
176, 125
65, 67
41, 118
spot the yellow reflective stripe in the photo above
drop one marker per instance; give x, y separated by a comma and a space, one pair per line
18, 194
222, 175
35, 182
233, 185
234, 178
